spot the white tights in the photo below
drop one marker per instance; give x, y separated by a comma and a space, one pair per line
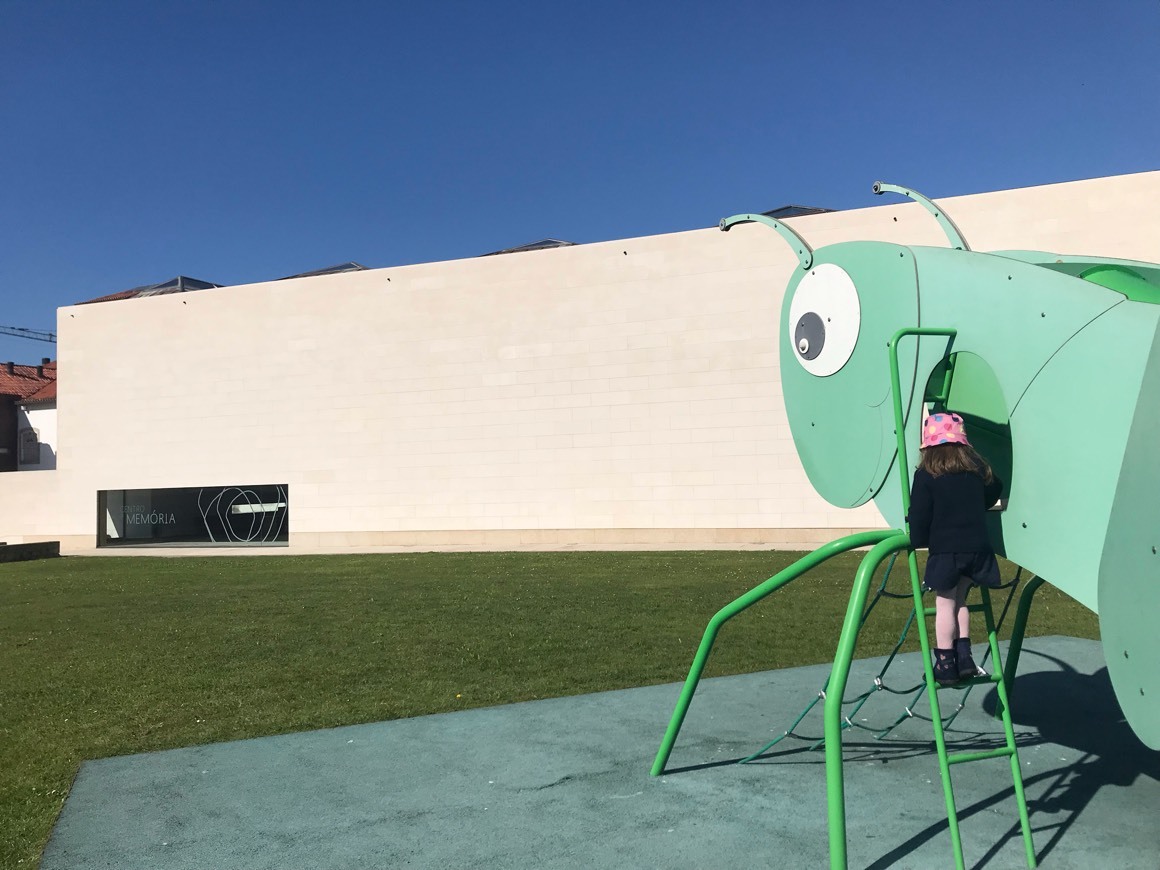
952, 620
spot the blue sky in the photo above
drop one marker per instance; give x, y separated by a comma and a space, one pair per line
242, 141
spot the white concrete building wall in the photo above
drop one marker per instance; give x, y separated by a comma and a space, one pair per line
624, 392
42, 419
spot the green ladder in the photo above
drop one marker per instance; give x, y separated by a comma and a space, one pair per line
946, 759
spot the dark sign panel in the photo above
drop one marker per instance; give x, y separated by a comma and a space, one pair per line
210, 515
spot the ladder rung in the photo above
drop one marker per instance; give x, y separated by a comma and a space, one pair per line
963, 757
974, 681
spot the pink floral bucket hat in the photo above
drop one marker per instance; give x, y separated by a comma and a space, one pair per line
943, 429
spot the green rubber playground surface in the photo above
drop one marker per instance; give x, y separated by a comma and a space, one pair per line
564, 783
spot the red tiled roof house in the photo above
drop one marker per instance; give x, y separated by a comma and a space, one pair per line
28, 416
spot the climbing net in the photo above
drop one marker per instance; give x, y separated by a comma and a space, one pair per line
880, 683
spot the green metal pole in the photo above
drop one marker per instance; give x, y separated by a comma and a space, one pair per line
801, 566
928, 667
896, 387
1008, 729
936, 717
1015, 647
836, 687
835, 788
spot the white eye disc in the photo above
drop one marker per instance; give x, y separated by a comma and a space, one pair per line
824, 318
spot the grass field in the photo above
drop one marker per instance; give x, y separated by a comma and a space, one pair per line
109, 656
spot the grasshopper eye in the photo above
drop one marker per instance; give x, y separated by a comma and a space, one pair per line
824, 319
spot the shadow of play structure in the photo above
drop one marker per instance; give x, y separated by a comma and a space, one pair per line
1053, 363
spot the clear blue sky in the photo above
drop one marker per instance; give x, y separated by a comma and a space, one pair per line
241, 141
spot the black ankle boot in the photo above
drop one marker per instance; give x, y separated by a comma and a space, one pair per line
966, 664
946, 671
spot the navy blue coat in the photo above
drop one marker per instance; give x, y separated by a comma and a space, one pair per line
948, 512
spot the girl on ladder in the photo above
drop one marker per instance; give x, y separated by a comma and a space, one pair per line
952, 490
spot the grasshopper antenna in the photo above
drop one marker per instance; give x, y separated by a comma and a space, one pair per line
952, 234
804, 252
948, 226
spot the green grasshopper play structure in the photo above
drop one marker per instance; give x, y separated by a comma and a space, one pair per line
1053, 361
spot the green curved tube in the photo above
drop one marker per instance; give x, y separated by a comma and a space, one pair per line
948, 226
890, 541
801, 566
804, 252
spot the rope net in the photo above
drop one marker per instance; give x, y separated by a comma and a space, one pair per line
914, 692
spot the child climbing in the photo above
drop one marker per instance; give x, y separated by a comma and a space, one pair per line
952, 490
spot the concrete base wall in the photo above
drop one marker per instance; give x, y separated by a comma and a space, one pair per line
787, 539
27, 552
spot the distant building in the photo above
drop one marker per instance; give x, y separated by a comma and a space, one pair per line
541, 245
613, 394
791, 211
28, 416
329, 270
180, 284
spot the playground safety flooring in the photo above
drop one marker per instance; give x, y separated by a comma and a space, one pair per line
564, 783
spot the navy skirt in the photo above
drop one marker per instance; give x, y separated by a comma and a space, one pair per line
944, 570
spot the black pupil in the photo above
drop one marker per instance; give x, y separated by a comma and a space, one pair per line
810, 336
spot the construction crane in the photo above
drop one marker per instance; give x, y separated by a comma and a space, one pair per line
34, 334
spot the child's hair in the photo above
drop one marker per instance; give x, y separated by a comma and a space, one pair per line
951, 458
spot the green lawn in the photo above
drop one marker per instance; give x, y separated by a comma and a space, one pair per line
108, 656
